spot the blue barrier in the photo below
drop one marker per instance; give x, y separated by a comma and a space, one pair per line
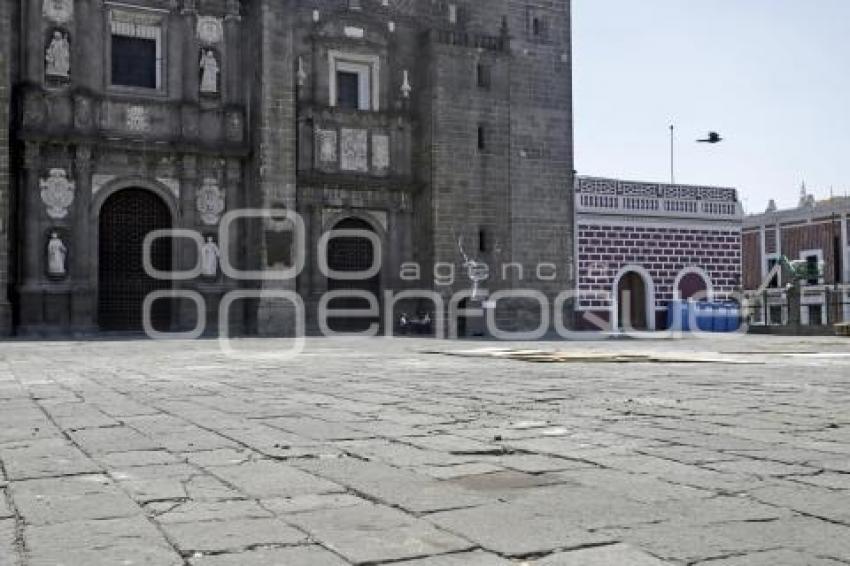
709, 317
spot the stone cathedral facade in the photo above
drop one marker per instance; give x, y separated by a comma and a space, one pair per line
442, 128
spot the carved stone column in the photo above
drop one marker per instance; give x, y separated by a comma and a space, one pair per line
232, 55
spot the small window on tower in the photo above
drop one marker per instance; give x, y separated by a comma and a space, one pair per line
482, 138
483, 75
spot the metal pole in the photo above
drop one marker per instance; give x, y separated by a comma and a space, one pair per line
672, 155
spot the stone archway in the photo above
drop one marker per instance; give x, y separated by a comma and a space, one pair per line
125, 218
353, 254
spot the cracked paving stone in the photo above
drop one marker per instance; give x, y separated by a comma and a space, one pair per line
171, 481
773, 558
269, 479
375, 533
476, 558
820, 502
414, 492
7, 543
128, 542
609, 555
514, 530
137, 458
231, 535
45, 458
72, 498
674, 541
198, 511
311, 502
293, 556
112, 439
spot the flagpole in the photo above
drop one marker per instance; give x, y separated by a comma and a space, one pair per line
672, 155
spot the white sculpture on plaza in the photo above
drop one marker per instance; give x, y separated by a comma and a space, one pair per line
209, 258
209, 72
58, 56
56, 255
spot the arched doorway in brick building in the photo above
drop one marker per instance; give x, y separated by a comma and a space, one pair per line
693, 283
126, 217
353, 253
634, 300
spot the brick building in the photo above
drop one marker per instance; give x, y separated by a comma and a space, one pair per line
641, 245
815, 232
422, 122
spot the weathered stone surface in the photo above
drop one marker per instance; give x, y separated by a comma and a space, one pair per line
131, 541
295, 556
373, 533
609, 555
8, 552
516, 530
74, 498
231, 535
693, 473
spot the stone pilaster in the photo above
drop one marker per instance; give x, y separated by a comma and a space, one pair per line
276, 151
83, 277
5, 173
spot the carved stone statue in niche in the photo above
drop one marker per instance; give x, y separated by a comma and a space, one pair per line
209, 258
209, 72
58, 56
56, 255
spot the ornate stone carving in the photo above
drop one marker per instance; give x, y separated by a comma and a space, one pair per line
35, 109
59, 11
210, 30
353, 150
233, 127
326, 143
210, 201
234, 10
57, 252
138, 119
57, 58
83, 112
380, 152
57, 193
209, 72
209, 258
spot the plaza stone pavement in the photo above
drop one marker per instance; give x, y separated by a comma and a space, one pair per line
371, 452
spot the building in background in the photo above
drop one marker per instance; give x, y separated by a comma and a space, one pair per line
425, 123
815, 232
639, 246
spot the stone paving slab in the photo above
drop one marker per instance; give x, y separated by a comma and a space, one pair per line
374, 452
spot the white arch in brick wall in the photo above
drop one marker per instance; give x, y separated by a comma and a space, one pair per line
695, 270
650, 295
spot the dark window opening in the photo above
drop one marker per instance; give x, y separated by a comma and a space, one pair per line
813, 269
348, 90
134, 61
774, 281
482, 141
482, 241
483, 76
815, 315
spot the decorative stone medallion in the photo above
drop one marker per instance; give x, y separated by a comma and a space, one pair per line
138, 119
210, 30
210, 201
380, 152
57, 193
59, 11
326, 142
354, 150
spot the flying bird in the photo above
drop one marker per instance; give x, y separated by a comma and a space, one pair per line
713, 137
